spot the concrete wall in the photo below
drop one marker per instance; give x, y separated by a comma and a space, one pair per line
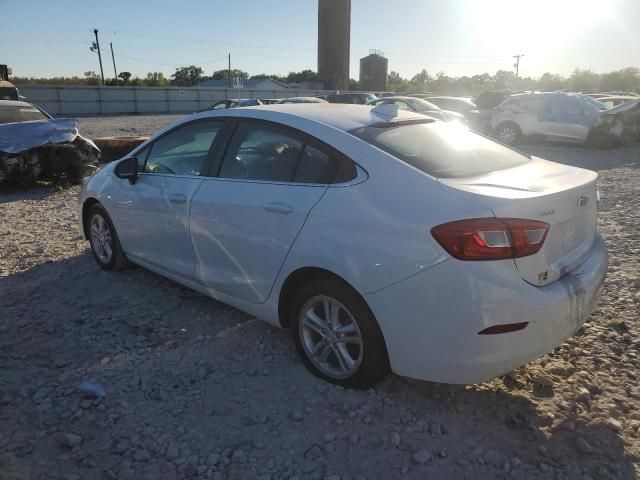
81, 100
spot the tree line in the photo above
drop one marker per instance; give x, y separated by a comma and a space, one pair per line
580, 80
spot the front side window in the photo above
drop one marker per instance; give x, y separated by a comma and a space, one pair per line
262, 152
183, 151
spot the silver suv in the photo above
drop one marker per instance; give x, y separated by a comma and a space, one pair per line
554, 116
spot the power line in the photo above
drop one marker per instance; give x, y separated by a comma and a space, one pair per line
173, 64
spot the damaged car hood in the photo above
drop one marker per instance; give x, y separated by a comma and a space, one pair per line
21, 136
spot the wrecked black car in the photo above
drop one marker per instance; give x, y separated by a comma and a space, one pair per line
33, 145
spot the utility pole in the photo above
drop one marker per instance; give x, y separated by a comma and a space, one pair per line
96, 47
114, 63
517, 64
229, 75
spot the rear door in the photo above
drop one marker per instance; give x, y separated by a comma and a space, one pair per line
246, 218
564, 119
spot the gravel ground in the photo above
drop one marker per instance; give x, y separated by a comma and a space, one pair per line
197, 389
119, 125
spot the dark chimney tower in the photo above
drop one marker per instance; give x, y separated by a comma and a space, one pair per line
334, 26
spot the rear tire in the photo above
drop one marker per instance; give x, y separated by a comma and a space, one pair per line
509, 133
104, 241
336, 335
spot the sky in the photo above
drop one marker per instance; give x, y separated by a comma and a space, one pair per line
43, 38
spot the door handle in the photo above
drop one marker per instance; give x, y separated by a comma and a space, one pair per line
277, 207
177, 198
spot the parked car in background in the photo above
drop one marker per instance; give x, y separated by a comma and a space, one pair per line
313, 217
480, 118
616, 100
234, 103
455, 104
413, 104
385, 94
301, 100
269, 101
554, 116
351, 97
8, 91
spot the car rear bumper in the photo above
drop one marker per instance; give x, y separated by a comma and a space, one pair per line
431, 320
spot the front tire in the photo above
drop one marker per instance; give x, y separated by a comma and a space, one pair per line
336, 335
104, 241
509, 133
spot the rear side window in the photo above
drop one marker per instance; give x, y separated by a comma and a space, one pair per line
441, 149
317, 165
262, 152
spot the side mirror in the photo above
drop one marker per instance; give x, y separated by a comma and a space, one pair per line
128, 168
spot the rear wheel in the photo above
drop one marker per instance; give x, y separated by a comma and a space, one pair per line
336, 334
509, 133
103, 238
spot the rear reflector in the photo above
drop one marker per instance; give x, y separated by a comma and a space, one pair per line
509, 327
491, 238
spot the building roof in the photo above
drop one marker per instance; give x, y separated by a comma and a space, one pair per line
255, 83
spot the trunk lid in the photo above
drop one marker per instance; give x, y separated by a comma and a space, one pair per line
560, 195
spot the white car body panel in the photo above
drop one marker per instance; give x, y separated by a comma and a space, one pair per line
157, 207
242, 232
374, 232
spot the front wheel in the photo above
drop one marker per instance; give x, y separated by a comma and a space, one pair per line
103, 238
337, 336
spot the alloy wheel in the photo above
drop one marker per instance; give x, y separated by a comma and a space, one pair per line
101, 239
330, 337
507, 135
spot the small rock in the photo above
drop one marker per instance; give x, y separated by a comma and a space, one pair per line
296, 416
354, 438
422, 456
92, 389
583, 446
121, 447
142, 455
238, 456
173, 452
314, 453
213, 459
68, 440
394, 438
329, 437
542, 380
434, 429
614, 424
562, 369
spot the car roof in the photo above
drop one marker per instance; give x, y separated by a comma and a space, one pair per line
14, 103
343, 117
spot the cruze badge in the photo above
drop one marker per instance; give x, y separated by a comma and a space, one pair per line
583, 200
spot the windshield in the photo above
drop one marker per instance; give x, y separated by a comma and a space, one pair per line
11, 114
442, 150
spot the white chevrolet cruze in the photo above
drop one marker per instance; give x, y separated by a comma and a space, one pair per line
383, 239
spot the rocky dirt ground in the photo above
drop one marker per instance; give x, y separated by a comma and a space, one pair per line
196, 389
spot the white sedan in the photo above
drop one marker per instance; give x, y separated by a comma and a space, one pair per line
384, 240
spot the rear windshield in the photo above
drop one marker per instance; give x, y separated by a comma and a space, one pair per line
442, 150
20, 114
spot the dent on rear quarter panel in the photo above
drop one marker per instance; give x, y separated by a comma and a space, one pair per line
377, 233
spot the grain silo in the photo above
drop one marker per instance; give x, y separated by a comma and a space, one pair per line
334, 25
373, 72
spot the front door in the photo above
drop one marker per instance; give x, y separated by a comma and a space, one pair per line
244, 222
152, 215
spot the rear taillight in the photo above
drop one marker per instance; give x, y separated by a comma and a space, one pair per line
491, 238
